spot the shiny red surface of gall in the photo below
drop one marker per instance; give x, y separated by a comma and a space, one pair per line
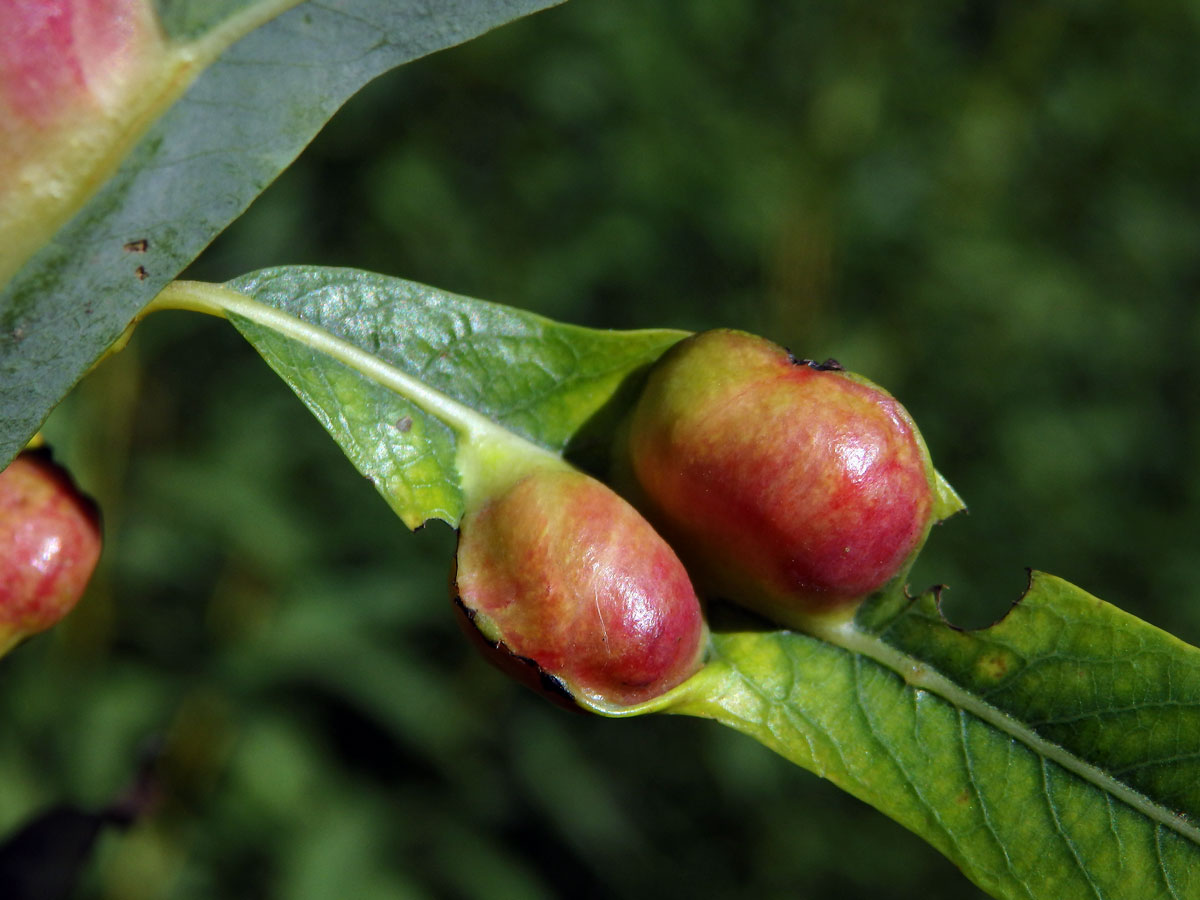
564, 573
789, 486
49, 544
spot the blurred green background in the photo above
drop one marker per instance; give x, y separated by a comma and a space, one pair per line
992, 209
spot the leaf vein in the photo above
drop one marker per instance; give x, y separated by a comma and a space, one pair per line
1162, 863
984, 809
910, 783
1062, 831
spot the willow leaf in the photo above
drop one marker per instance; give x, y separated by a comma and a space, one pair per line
132, 133
410, 380
1052, 755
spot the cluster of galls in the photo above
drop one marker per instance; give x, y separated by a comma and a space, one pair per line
791, 487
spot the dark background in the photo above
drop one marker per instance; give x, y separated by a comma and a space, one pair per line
991, 209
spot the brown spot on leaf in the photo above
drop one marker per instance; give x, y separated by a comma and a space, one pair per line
141, 273
141, 245
994, 666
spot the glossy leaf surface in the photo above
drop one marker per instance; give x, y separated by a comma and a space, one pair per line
500, 374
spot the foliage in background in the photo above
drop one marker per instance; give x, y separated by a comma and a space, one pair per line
992, 212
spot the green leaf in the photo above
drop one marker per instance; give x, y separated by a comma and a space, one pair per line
946, 501
168, 164
422, 388
1054, 754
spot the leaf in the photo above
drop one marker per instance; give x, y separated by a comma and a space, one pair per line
415, 383
1051, 755
115, 173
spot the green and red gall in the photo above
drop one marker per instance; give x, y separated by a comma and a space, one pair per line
574, 592
49, 545
794, 488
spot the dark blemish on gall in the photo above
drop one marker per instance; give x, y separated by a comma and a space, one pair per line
830, 365
551, 684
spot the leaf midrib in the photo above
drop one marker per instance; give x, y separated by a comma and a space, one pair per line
481, 442
921, 675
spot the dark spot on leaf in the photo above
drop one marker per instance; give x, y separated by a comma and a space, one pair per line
994, 667
141, 245
141, 273
405, 424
